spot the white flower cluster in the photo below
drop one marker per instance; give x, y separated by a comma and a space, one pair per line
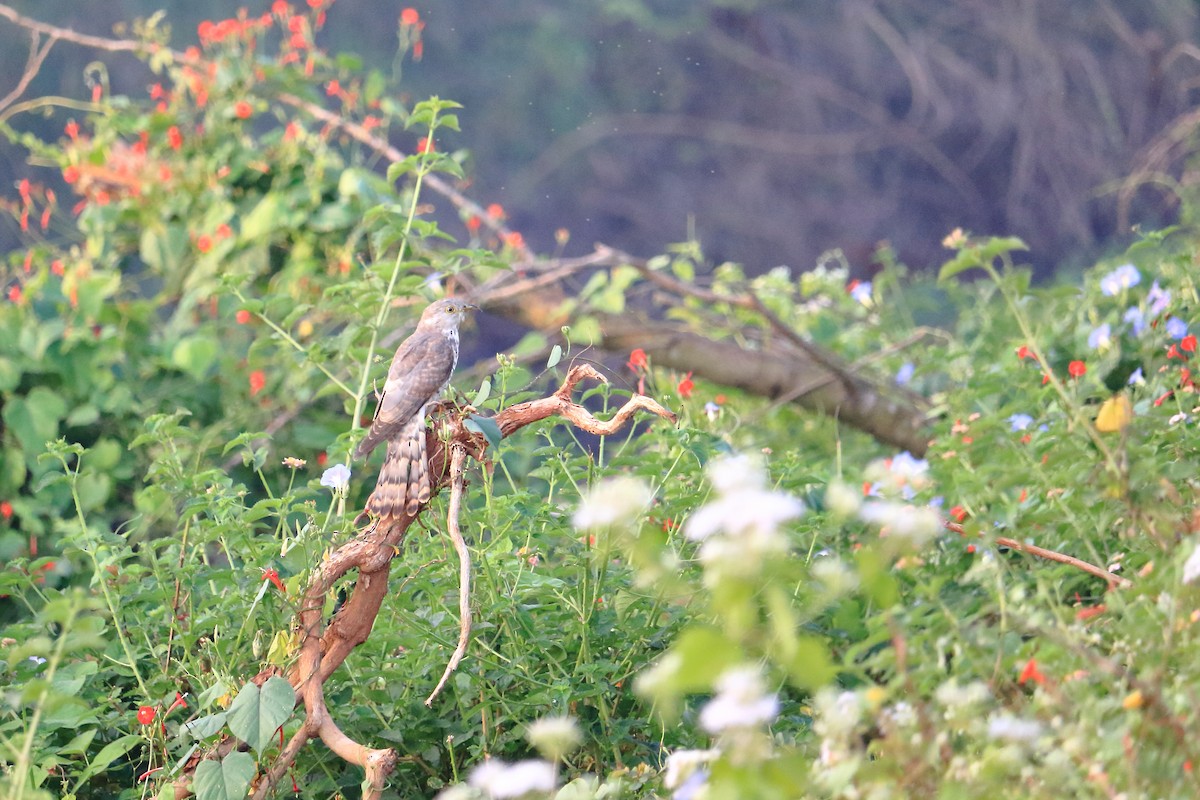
899, 477
614, 501
499, 780
742, 701
740, 528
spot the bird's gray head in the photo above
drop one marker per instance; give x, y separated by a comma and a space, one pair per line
444, 315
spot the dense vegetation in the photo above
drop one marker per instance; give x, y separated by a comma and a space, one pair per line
755, 602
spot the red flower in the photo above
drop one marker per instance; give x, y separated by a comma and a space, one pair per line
14, 294
686, 386
1077, 369
515, 240
1031, 673
6, 509
145, 714
281, 8
273, 576
243, 317
959, 513
204, 243
637, 359
333, 89
71, 174
72, 129
410, 16
174, 137
23, 190
180, 701
1188, 344
322, 458
426, 146
473, 223
1024, 352
1173, 352
46, 217
258, 380
56, 266
157, 92
495, 211
224, 231
243, 110
1085, 614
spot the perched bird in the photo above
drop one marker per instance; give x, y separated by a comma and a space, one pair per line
420, 372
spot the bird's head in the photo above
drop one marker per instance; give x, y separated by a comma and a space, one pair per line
446, 314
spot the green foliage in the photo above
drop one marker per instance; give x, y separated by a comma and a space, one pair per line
215, 317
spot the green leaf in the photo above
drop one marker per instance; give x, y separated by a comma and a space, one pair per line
107, 755
967, 258
485, 391
555, 357
810, 666
195, 355
485, 425
255, 714
998, 245
264, 219
227, 779
705, 653
203, 727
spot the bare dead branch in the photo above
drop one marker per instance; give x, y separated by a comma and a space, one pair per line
457, 458
1051, 555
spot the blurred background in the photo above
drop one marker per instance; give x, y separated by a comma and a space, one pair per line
772, 131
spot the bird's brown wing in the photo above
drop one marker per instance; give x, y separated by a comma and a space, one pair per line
420, 368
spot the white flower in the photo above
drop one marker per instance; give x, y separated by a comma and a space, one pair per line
458, 791
1191, 567
554, 737
613, 501
901, 472
837, 713
743, 504
741, 702
918, 524
683, 763
833, 572
500, 780
961, 698
1013, 729
842, 499
337, 478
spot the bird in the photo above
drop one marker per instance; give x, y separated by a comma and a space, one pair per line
419, 373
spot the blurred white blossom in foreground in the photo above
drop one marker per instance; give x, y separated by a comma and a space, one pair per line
740, 527
1013, 729
554, 737
498, 779
1191, 567
612, 502
917, 524
742, 701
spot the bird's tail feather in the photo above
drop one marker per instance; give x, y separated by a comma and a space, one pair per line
403, 484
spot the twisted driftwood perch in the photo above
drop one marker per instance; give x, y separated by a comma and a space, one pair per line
323, 647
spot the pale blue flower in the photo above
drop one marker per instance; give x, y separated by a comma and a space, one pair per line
862, 292
1101, 337
1176, 328
336, 477
905, 373
1019, 422
1158, 298
1136, 319
1137, 378
1120, 279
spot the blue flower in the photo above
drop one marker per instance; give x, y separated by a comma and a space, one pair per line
1100, 338
1120, 279
1136, 319
1137, 378
905, 373
862, 292
1158, 298
1019, 422
1176, 328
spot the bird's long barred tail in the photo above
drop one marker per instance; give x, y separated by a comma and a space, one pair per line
403, 485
